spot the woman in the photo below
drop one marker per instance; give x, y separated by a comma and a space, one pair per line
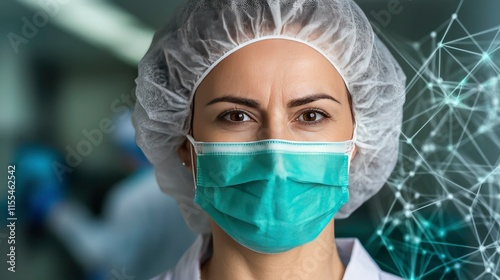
265, 120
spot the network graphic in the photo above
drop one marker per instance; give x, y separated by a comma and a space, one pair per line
444, 219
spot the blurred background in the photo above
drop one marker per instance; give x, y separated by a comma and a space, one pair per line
87, 206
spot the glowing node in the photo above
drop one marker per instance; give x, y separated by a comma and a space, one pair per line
495, 102
417, 195
488, 270
442, 256
396, 222
426, 224
467, 218
485, 56
447, 270
416, 45
412, 173
490, 179
399, 186
446, 100
379, 232
398, 194
416, 240
390, 248
456, 266
424, 252
430, 85
439, 80
441, 233
449, 148
433, 34
440, 45
408, 141
407, 213
498, 249
482, 249
453, 16
407, 237
449, 196
438, 204
427, 148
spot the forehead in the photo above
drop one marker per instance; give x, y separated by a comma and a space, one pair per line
282, 63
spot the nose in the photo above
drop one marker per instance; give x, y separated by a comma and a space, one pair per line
275, 127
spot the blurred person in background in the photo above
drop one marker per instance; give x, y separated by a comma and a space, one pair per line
140, 230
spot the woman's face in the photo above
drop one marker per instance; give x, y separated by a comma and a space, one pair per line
272, 89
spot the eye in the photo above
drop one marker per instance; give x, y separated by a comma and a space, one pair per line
312, 116
235, 116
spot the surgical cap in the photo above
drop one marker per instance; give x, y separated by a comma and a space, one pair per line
206, 31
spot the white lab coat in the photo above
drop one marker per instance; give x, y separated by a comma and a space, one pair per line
358, 263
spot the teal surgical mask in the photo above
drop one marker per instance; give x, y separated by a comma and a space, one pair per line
272, 195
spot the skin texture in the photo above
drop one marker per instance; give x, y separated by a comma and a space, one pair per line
271, 89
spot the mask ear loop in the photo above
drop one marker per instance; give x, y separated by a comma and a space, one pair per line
191, 140
352, 146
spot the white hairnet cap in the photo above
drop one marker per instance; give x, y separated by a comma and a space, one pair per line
207, 30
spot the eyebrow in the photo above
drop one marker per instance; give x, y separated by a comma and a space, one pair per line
311, 98
255, 104
238, 100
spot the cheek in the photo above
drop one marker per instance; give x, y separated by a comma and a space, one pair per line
346, 121
196, 129
346, 127
342, 128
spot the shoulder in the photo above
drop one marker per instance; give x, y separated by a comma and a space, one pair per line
359, 264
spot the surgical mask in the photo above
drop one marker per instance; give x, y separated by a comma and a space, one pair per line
272, 195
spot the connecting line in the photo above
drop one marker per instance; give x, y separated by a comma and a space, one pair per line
454, 103
469, 72
468, 34
418, 94
429, 120
447, 46
497, 28
421, 113
493, 41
